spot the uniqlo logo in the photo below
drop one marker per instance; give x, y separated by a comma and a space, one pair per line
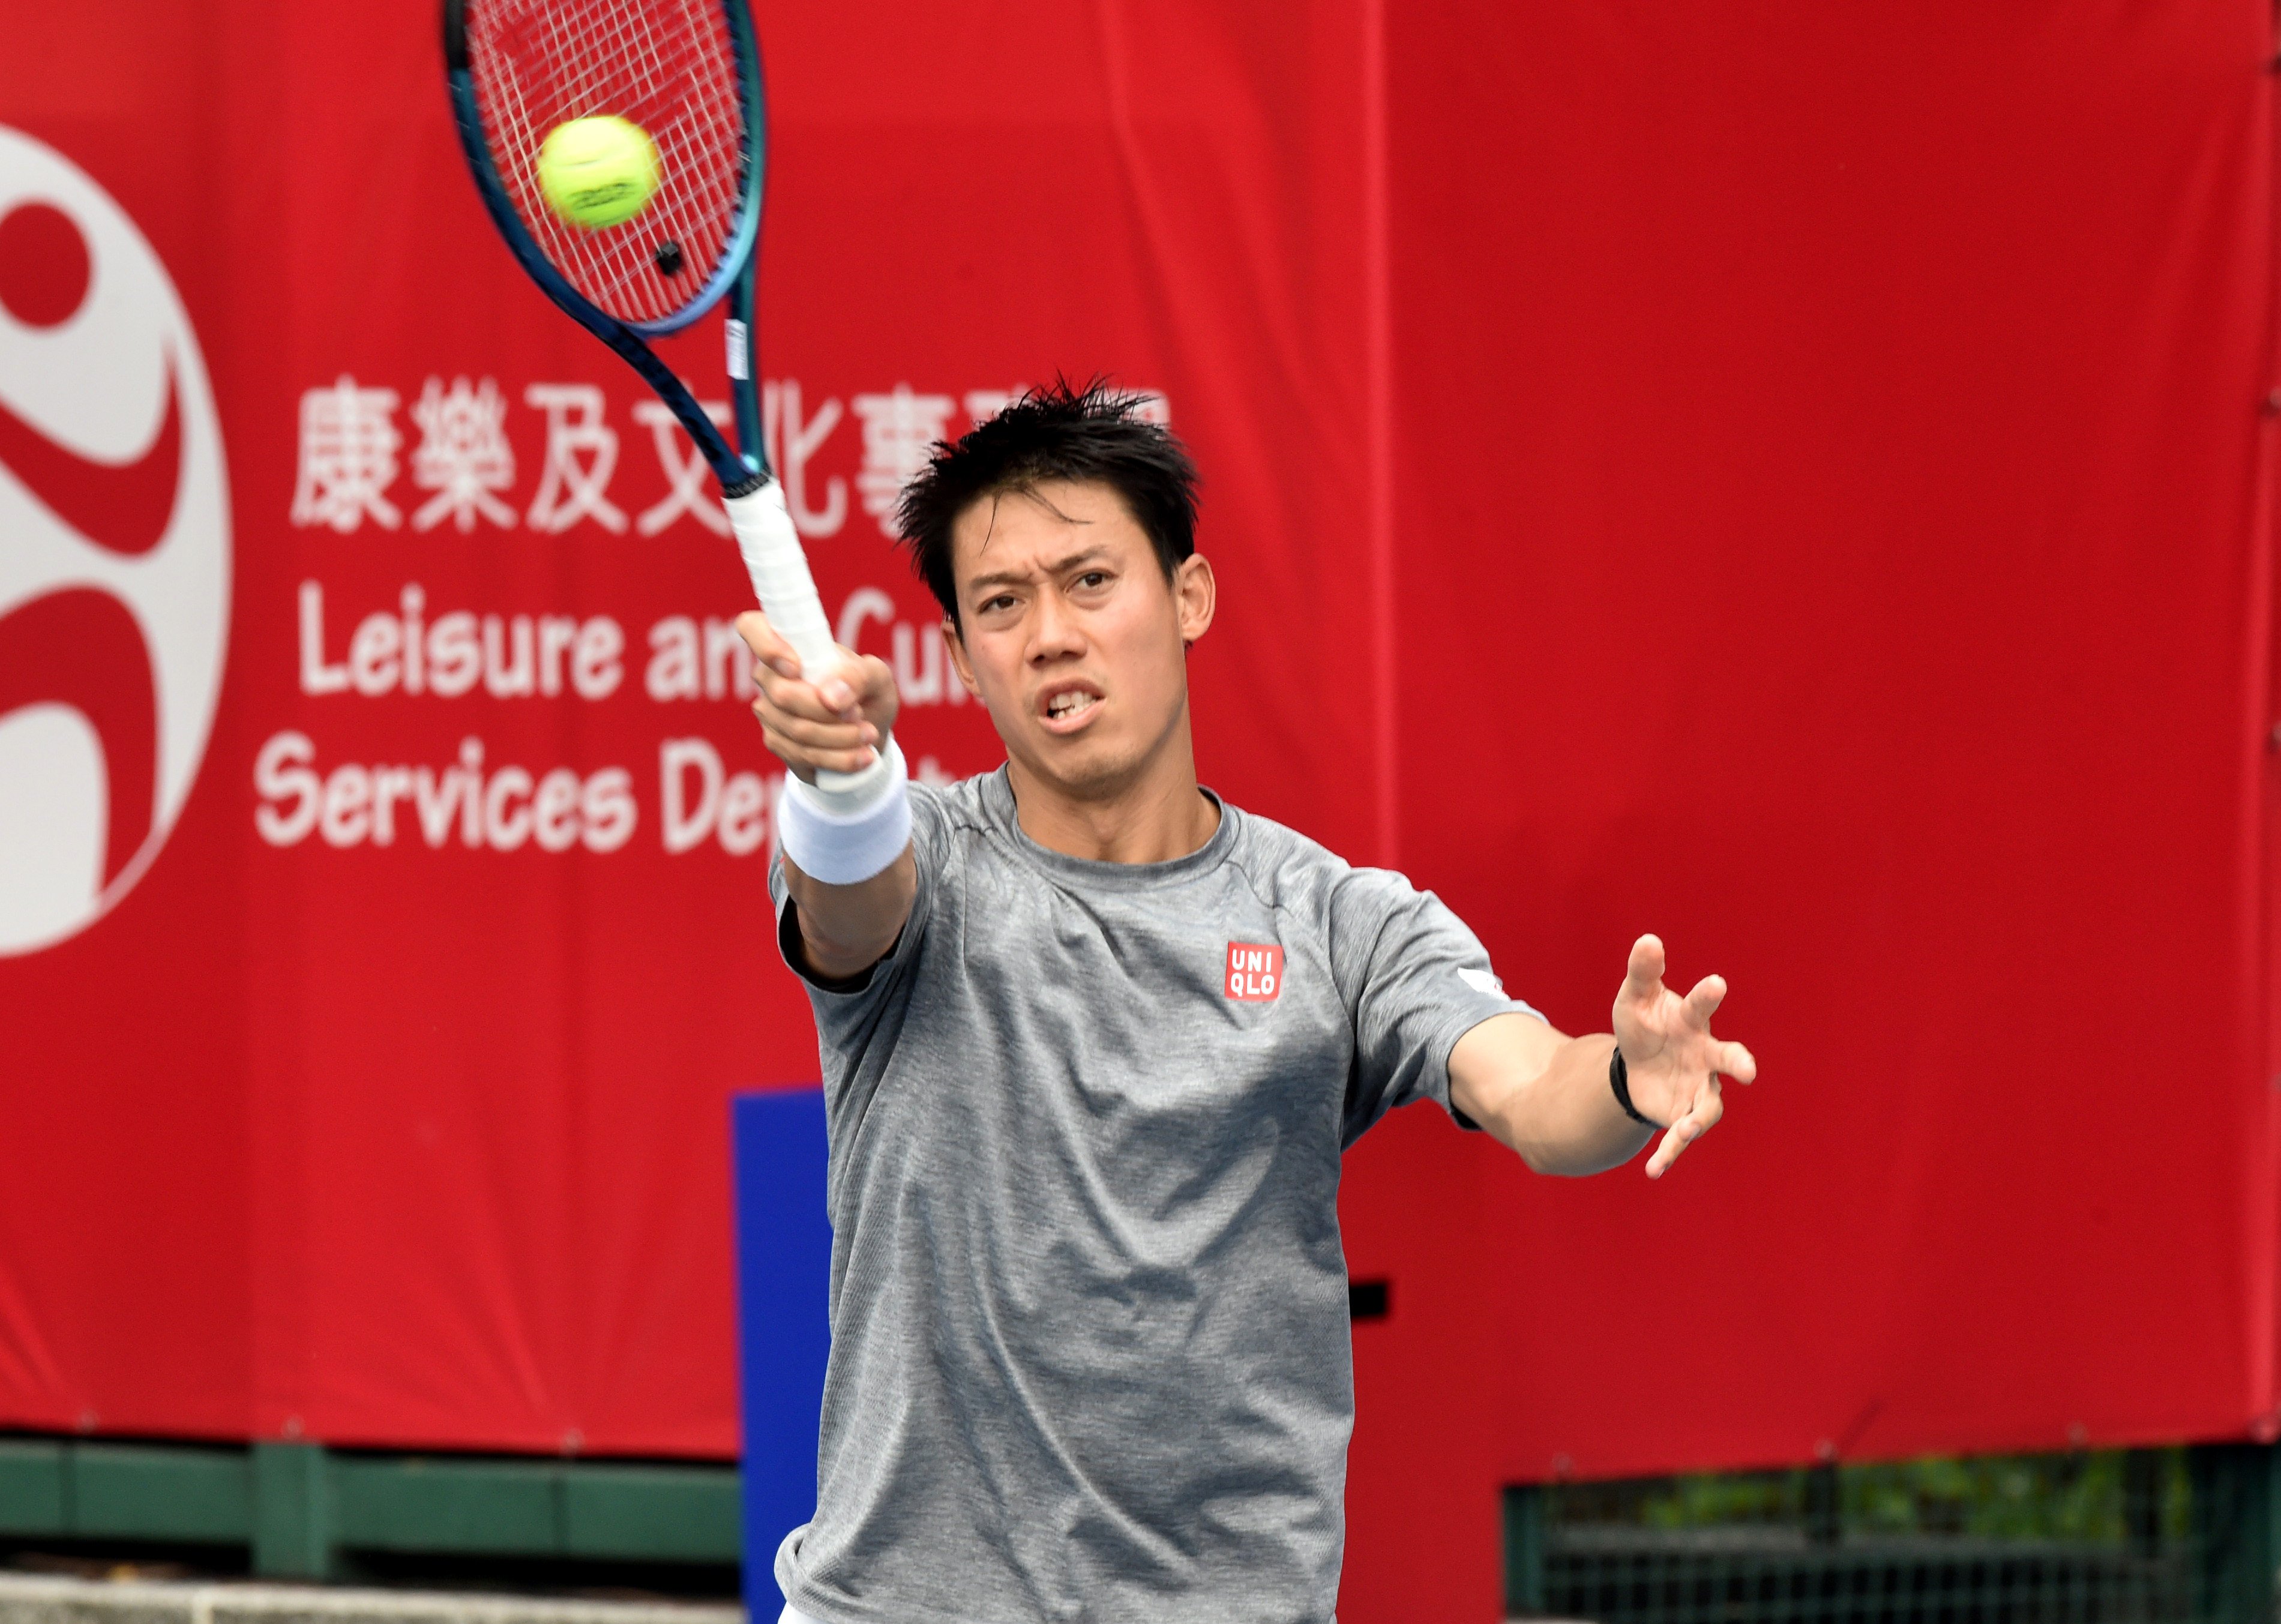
1255, 972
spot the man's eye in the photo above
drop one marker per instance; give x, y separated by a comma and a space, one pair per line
1004, 601
1092, 577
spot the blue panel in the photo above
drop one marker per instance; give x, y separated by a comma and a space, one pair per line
784, 1267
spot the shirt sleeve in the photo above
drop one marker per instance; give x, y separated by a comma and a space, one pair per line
1417, 980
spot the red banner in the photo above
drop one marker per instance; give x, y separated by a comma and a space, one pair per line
1789, 479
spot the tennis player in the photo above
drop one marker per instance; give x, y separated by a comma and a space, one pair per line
1093, 1042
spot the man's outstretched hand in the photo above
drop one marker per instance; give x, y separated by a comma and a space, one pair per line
1672, 1062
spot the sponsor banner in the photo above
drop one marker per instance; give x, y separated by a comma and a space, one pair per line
384, 835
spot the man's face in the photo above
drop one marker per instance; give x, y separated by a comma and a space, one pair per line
1073, 636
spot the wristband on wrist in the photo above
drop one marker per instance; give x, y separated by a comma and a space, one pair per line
1620, 1081
829, 839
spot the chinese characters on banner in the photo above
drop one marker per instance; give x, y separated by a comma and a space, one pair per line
350, 444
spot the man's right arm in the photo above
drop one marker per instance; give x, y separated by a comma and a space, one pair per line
844, 930
840, 722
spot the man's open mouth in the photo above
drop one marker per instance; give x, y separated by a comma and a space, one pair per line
1070, 705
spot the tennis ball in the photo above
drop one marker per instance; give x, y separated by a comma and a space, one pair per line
598, 172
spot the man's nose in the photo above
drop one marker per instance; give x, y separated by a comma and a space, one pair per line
1054, 632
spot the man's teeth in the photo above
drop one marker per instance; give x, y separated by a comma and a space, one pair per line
1068, 704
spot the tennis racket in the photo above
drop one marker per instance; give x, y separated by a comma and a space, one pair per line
688, 73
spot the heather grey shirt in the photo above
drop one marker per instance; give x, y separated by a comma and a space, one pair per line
1090, 1353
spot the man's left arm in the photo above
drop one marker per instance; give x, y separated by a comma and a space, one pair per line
1550, 1098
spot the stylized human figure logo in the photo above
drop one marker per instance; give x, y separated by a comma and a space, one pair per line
115, 551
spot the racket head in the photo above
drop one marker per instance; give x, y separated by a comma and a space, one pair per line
688, 73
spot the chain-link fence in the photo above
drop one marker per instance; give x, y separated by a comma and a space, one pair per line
2140, 1537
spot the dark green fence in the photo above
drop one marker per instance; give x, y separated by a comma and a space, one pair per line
302, 1510
2146, 1536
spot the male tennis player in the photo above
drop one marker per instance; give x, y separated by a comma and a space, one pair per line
1093, 1042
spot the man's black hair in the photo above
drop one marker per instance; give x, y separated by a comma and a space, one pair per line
1058, 432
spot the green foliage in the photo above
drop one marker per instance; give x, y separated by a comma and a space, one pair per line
2020, 1496
2093, 1537
2081, 1499
1707, 1500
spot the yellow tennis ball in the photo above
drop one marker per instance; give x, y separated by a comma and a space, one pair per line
598, 172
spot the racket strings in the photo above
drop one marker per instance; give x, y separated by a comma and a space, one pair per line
669, 67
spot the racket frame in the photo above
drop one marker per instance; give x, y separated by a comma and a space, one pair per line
744, 467
764, 532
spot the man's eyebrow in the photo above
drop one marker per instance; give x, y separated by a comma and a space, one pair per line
1015, 578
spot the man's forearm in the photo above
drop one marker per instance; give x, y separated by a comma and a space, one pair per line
847, 929
1566, 1120
1545, 1095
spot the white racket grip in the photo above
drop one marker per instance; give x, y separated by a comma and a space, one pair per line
778, 568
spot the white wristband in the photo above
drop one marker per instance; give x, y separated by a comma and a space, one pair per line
827, 839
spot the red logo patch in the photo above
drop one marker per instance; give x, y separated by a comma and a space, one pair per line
1255, 972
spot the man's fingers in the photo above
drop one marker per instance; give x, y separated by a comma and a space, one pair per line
761, 638
809, 733
813, 757
878, 678
777, 672
1738, 1062
1644, 972
795, 698
1675, 1139
858, 681
1704, 1000
791, 697
1705, 1116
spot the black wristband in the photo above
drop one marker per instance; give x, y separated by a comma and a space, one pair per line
1620, 1083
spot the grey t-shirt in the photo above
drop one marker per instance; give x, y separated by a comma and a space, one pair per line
1090, 1354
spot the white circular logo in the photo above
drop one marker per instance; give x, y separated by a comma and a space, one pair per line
115, 551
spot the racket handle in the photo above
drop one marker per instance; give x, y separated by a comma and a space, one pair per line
778, 568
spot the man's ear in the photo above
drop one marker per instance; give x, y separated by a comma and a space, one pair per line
1195, 593
958, 660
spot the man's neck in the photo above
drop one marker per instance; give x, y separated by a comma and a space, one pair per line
1154, 817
